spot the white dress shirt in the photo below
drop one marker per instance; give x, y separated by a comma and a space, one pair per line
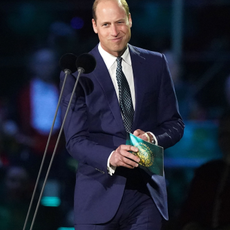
111, 64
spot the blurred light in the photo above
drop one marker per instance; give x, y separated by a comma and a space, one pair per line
65, 228
50, 201
77, 23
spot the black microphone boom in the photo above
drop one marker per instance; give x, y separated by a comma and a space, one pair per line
68, 63
86, 62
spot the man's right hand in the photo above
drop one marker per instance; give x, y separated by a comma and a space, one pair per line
122, 157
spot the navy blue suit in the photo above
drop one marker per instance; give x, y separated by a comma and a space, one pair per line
94, 128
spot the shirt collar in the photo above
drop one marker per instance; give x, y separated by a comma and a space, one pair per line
109, 59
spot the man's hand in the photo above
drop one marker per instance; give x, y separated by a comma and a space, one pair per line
143, 135
122, 157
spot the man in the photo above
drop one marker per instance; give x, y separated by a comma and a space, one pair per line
111, 191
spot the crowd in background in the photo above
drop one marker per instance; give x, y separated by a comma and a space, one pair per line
28, 104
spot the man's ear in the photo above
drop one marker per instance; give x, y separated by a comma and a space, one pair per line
130, 21
94, 26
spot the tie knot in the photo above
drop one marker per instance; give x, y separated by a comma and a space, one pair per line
119, 59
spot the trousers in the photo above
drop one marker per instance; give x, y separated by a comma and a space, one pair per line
137, 211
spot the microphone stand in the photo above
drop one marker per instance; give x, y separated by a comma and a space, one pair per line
67, 72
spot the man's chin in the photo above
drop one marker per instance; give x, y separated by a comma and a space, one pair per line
120, 50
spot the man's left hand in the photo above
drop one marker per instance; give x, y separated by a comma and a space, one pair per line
143, 135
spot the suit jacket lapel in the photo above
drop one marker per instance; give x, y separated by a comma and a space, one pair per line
137, 61
102, 75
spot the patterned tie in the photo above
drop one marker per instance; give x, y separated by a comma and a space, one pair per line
124, 97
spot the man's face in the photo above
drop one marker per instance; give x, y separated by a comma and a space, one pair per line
112, 26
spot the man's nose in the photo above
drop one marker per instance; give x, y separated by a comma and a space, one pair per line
114, 30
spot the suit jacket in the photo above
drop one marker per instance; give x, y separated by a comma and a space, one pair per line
94, 128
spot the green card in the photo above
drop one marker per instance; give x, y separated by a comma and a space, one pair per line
152, 156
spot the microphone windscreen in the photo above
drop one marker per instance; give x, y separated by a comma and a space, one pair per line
87, 62
68, 62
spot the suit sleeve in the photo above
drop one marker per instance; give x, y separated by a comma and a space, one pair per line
78, 144
170, 127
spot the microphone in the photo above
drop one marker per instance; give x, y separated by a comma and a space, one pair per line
86, 63
68, 63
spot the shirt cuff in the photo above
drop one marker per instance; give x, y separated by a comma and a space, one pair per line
111, 169
154, 137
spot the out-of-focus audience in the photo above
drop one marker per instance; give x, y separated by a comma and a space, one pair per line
23, 138
37, 100
62, 38
189, 106
25, 122
36, 106
15, 195
16, 190
207, 205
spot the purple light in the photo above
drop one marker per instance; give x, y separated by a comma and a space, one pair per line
77, 23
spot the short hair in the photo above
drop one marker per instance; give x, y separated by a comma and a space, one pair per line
122, 2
